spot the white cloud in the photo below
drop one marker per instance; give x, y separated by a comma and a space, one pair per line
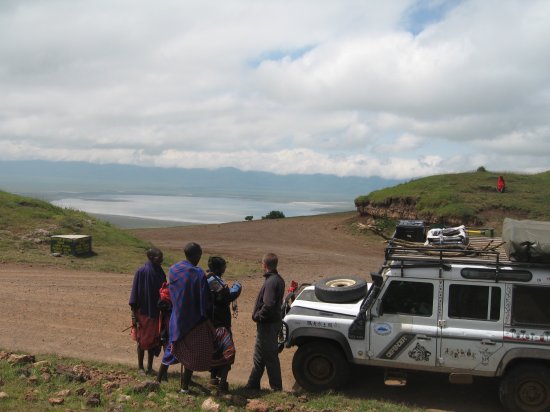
404, 143
285, 86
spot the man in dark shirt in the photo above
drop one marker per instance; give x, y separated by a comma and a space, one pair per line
267, 315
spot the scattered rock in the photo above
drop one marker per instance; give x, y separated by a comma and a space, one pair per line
210, 405
171, 395
44, 369
238, 400
41, 232
46, 376
116, 408
71, 373
4, 395
42, 364
187, 402
150, 404
56, 401
94, 400
63, 393
151, 395
4, 355
289, 407
31, 395
15, 359
84, 372
109, 386
302, 398
33, 379
123, 398
256, 405
25, 373
147, 386
56, 254
80, 391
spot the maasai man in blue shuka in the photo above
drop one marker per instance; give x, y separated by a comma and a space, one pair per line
191, 331
145, 311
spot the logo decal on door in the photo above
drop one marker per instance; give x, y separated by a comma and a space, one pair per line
420, 353
397, 346
382, 329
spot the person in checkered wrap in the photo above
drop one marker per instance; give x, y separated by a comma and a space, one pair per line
191, 330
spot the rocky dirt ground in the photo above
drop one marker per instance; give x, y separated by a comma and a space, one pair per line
85, 314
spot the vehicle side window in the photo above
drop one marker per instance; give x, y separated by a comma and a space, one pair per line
474, 302
409, 298
530, 306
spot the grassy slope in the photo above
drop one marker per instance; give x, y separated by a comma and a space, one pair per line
26, 223
471, 194
31, 386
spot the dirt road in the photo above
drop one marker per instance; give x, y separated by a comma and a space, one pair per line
83, 314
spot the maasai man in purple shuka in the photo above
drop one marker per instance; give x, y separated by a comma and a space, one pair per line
145, 311
191, 331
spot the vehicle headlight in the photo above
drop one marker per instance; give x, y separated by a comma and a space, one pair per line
283, 334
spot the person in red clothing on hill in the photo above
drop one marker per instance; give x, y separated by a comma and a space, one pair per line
501, 185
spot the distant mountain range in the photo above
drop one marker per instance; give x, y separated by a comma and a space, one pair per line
52, 180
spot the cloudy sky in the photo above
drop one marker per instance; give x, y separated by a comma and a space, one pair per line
397, 89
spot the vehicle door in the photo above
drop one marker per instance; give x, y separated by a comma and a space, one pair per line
404, 331
472, 325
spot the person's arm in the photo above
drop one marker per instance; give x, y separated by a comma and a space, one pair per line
220, 291
265, 313
133, 302
234, 291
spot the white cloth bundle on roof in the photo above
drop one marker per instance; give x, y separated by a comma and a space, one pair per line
447, 236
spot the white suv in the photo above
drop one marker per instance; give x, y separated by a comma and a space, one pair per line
463, 312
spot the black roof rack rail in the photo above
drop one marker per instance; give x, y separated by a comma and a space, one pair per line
479, 251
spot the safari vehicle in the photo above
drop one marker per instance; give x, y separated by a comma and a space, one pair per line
466, 311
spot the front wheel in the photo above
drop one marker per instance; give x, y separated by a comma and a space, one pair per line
526, 388
318, 366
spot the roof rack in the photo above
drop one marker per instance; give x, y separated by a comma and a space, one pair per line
485, 250
479, 251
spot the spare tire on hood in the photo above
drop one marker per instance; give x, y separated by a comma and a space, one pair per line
341, 289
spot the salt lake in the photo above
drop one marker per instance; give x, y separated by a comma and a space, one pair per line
193, 209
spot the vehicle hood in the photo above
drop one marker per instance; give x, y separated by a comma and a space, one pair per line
307, 299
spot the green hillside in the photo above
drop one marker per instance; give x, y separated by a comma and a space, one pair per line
468, 197
27, 223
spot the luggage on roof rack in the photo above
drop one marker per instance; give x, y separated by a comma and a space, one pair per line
527, 240
410, 230
448, 236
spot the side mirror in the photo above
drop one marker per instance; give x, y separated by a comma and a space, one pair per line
376, 309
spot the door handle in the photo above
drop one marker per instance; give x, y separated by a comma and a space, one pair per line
487, 342
423, 337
